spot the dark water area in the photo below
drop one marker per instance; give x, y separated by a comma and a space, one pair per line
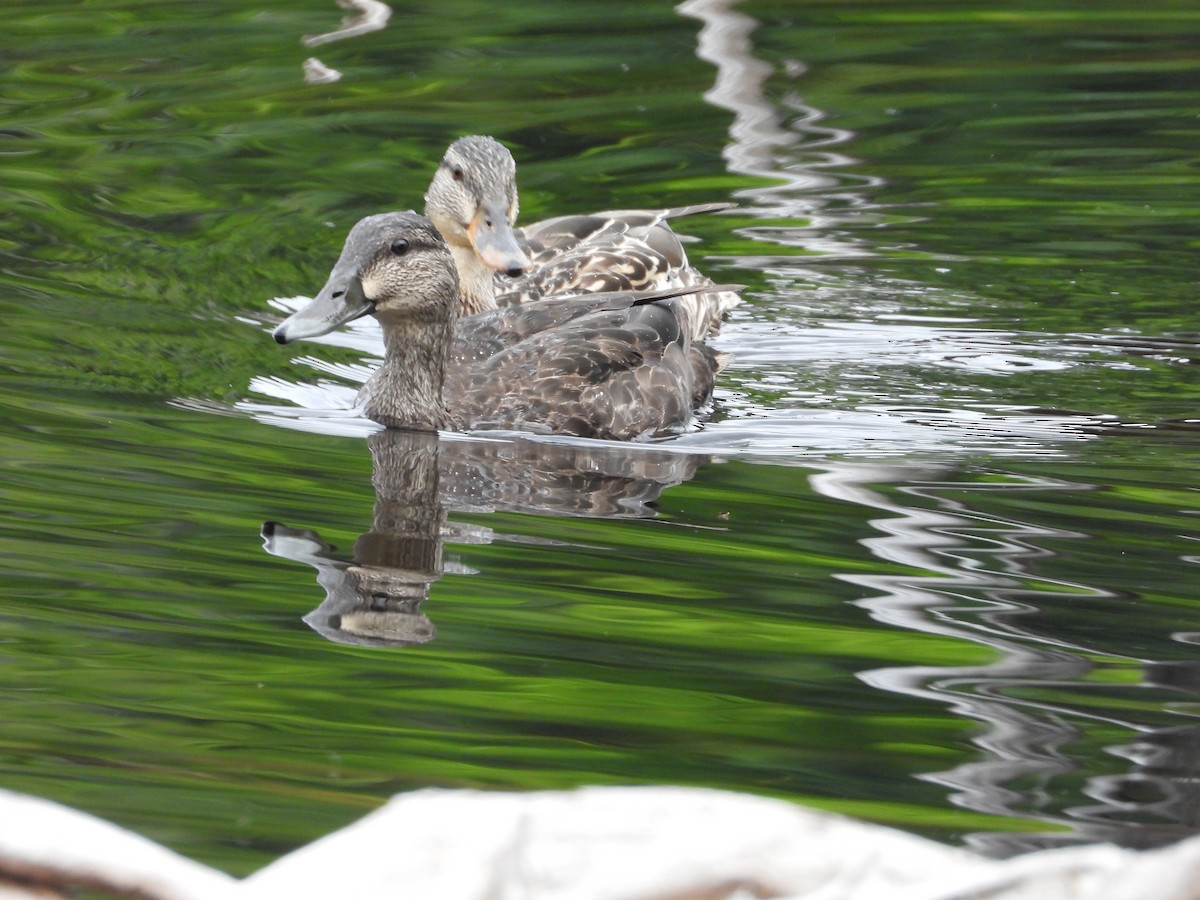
931, 558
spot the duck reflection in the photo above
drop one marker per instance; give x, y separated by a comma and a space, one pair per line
374, 599
559, 478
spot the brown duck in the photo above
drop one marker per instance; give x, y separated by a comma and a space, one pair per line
618, 365
472, 200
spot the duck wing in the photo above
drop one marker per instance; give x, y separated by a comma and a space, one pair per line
480, 336
617, 366
616, 250
617, 374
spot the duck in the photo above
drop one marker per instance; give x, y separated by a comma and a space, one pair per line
472, 200
617, 365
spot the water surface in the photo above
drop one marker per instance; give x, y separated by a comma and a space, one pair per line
930, 559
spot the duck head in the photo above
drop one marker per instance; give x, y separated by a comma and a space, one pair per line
472, 201
394, 266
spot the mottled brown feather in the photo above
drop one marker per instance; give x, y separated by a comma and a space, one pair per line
613, 250
616, 250
617, 365
623, 367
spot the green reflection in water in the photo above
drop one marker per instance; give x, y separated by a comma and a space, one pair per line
1021, 169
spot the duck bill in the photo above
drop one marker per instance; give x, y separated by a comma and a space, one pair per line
494, 241
341, 300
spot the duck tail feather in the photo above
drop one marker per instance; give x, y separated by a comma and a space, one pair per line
685, 291
697, 209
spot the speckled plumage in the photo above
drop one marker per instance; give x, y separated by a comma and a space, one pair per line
616, 366
611, 365
617, 250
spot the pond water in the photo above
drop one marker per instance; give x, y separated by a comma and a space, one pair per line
931, 559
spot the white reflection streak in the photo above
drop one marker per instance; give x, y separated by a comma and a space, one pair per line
1023, 737
725, 42
316, 72
369, 15
763, 145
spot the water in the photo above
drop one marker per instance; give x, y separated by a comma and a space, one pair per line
930, 560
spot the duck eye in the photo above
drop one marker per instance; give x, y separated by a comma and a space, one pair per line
399, 246
457, 173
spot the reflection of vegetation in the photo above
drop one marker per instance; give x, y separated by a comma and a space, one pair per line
197, 689
165, 170
1049, 147
198, 188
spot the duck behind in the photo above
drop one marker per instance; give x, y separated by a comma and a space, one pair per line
473, 202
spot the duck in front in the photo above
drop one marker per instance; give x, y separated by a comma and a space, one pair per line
617, 365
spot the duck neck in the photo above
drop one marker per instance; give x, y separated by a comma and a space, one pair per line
476, 289
406, 391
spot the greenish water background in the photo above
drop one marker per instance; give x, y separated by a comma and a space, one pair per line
932, 559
